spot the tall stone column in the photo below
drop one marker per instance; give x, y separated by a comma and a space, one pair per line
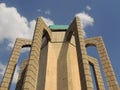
31, 75
107, 67
8, 76
84, 69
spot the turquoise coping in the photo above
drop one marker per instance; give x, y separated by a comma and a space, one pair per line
54, 27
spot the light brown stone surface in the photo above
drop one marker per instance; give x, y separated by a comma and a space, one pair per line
105, 61
58, 60
6, 82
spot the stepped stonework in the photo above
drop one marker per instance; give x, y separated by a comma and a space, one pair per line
58, 60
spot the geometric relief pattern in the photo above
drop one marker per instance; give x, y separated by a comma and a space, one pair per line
58, 60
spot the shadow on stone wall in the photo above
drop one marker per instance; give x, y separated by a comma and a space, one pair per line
62, 73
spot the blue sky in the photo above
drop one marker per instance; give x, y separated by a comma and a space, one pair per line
99, 18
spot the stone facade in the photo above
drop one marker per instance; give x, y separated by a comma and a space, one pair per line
58, 60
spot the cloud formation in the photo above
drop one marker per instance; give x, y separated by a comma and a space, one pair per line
47, 12
39, 10
48, 21
13, 25
15, 77
88, 8
86, 20
2, 71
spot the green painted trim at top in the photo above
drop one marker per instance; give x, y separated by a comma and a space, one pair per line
54, 27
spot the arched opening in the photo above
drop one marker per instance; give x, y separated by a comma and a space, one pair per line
94, 78
92, 51
45, 39
24, 55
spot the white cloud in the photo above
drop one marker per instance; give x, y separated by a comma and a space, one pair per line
48, 21
47, 12
86, 20
13, 25
2, 71
88, 8
15, 77
39, 10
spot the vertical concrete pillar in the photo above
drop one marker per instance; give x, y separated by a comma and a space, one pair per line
8, 76
107, 67
30, 82
84, 69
